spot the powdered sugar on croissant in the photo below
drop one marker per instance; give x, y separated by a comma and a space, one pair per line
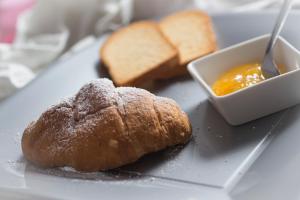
104, 127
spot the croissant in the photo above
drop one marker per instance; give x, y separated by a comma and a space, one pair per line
104, 127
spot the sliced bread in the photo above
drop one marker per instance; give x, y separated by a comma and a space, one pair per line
191, 33
137, 53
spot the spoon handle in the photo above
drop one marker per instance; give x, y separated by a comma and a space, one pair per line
269, 68
279, 24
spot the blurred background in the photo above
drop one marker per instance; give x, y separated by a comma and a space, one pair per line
35, 33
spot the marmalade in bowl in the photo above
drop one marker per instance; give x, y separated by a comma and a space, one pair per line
237, 78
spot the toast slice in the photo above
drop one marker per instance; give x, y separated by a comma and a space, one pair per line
192, 34
138, 53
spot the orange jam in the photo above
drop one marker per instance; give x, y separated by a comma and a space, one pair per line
238, 78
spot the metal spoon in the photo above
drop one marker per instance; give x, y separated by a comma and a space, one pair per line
269, 68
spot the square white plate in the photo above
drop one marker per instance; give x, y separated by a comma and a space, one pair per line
221, 162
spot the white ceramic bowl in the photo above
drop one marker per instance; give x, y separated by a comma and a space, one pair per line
261, 99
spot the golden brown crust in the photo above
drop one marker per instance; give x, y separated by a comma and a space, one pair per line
104, 127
